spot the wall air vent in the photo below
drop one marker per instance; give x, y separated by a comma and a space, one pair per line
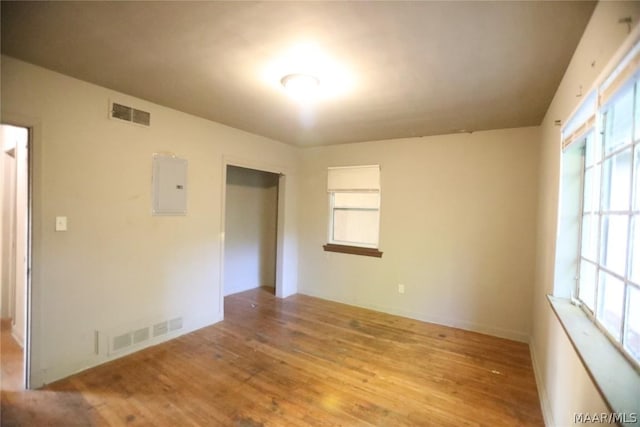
129, 114
175, 324
120, 342
140, 335
160, 328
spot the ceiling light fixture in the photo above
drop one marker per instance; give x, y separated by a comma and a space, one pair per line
300, 86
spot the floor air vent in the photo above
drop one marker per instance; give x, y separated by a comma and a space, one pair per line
129, 114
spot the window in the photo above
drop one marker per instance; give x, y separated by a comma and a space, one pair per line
354, 210
608, 133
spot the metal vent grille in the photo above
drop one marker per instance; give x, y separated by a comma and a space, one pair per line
160, 329
121, 112
175, 324
121, 341
140, 335
141, 117
130, 114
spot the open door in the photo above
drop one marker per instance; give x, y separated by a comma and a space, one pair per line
14, 254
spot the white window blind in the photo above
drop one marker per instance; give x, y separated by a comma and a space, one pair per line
584, 118
354, 178
581, 121
354, 204
625, 72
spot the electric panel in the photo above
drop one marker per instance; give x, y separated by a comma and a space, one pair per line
169, 185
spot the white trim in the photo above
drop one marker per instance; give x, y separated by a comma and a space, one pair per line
280, 235
482, 328
32, 377
615, 68
627, 46
581, 120
545, 404
619, 392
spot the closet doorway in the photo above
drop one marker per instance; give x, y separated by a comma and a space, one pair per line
251, 229
14, 256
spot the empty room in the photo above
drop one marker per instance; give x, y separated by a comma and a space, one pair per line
320, 213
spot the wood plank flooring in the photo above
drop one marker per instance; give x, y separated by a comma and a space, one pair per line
301, 361
12, 366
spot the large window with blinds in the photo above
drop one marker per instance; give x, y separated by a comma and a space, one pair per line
606, 128
354, 209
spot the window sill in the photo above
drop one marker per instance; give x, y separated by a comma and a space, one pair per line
613, 375
353, 250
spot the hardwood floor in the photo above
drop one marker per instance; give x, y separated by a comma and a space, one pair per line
301, 361
12, 366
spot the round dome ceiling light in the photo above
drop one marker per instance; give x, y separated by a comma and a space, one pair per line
300, 86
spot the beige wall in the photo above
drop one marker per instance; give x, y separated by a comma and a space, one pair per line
564, 385
458, 216
118, 266
251, 211
458, 222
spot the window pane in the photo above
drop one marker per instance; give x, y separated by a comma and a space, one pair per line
597, 172
637, 115
355, 227
590, 237
588, 190
589, 149
634, 268
591, 189
618, 119
636, 190
611, 293
632, 335
356, 200
616, 180
614, 242
597, 147
587, 290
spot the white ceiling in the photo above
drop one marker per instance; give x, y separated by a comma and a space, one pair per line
389, 69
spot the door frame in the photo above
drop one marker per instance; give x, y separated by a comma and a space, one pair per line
280, 225
33, 131
10, 217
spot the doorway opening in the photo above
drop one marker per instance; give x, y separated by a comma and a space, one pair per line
251, 230
14, 256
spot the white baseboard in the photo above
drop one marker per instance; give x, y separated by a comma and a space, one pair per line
40, 377
542, 391
454, 323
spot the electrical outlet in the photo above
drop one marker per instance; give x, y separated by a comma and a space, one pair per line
401, 288
61, 223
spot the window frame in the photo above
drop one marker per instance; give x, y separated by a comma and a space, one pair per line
594, 348
355, 187
598, 265
597, 129
332, 220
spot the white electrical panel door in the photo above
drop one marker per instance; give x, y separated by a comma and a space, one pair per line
169, 185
